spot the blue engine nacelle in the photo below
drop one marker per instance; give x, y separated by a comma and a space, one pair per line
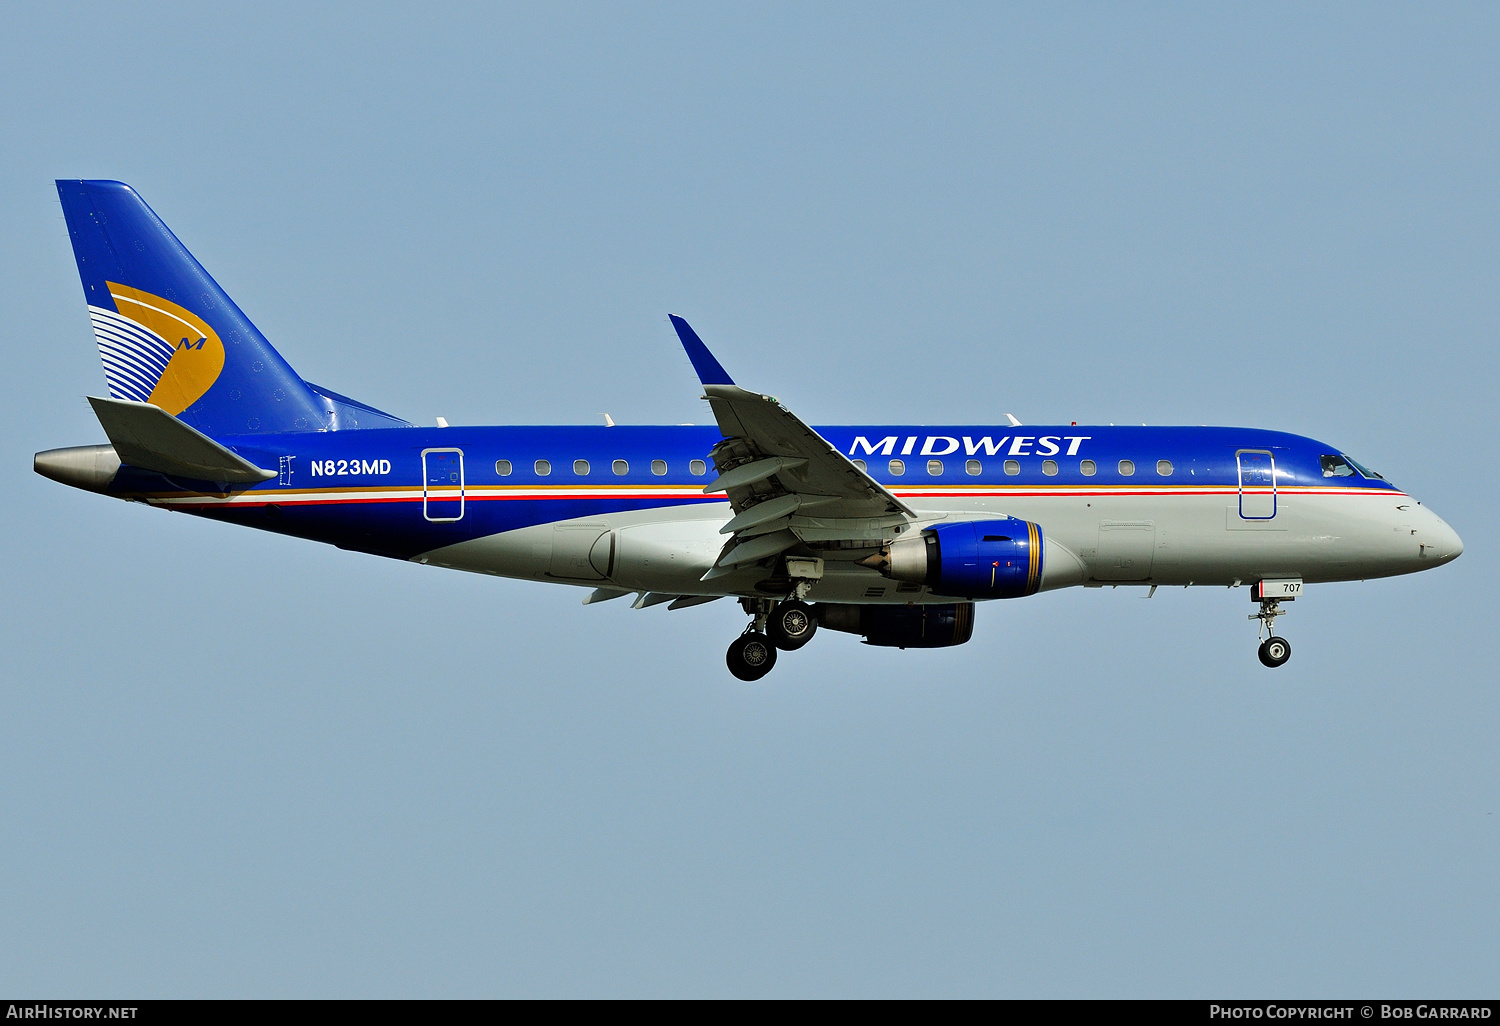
970, 559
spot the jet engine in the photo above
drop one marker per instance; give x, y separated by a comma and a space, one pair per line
973, 558
901, 626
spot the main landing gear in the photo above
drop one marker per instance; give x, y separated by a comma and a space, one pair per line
1273, 651
787, 626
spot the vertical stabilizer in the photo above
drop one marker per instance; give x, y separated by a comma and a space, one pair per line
169, 335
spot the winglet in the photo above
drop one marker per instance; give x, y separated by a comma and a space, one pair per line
710, 372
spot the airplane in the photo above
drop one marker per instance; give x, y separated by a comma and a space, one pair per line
889, 532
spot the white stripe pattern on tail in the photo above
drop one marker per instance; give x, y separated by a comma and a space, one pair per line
134, 357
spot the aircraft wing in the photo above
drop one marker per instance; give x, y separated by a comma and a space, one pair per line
785, 483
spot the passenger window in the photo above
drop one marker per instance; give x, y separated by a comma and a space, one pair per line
1127, 468
620, 467
1012, 467
973, 468
861, 465
1164, 468
898, 468
697, 468
1336, 466
502, 467
658, 467
1049, 467
935, 467
1089, 468
543, 468
581, 467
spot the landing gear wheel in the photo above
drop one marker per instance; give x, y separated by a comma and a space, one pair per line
751, 656
1274, 651
792, 625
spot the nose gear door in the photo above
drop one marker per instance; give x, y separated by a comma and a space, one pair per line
1257, 484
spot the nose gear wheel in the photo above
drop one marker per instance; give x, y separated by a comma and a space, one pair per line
1274, 651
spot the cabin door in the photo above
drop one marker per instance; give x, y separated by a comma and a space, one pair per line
443, 485
1257, 484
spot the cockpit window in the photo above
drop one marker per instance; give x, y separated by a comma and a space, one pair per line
1365, 470
1335, 466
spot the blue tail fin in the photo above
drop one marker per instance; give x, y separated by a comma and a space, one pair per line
168, 335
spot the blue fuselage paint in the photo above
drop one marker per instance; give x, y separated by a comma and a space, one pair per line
365, 490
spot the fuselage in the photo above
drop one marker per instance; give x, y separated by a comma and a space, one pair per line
625, 507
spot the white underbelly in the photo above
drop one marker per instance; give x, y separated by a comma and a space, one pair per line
1091, 540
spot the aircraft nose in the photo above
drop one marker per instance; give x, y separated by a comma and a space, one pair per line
1443, 542
1451, 544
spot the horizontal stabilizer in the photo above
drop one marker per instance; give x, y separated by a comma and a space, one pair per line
150, 438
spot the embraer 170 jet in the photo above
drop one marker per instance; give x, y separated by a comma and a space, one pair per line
890, 532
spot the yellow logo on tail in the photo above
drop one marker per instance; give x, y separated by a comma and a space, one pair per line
197, 354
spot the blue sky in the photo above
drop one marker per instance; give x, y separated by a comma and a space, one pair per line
238, 764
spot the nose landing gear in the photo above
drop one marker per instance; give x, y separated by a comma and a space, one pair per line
1273, 651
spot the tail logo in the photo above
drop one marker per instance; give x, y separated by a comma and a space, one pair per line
155, 351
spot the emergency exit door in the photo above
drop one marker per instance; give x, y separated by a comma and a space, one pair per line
1257, 484
443, 485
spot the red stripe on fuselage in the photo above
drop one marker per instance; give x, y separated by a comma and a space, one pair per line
196, 500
